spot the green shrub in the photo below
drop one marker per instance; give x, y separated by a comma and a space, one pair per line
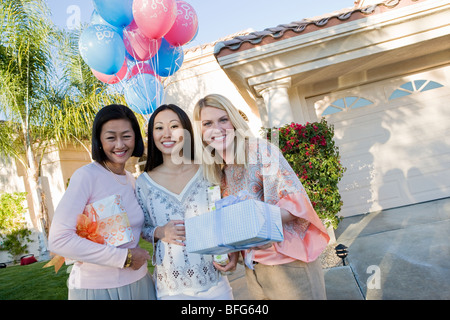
14, 236
314, 157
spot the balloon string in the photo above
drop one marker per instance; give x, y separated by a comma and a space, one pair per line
173, 65
146, 117
154, 63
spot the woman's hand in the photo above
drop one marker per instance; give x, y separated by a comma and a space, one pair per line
138, 257
172, 232
230, 266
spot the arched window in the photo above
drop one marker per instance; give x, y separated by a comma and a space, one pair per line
414, 86
345, 104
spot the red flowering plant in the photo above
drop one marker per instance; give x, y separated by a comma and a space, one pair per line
311, 152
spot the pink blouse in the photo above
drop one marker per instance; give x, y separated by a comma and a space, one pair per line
98, 266
269, 178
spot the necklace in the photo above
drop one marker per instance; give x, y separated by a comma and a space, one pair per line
114, 175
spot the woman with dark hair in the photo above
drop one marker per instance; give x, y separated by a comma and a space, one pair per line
171, 190
155, 156
104, 272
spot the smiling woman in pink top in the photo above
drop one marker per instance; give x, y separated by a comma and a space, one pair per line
104, 272
236, 161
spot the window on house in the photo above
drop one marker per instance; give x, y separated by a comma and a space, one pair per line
345, 104
414, 86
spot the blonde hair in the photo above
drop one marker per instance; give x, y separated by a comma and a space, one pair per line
211, 163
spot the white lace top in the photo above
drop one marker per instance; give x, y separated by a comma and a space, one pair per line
176, 271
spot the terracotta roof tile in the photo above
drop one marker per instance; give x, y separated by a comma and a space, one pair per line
212, 44
284, 31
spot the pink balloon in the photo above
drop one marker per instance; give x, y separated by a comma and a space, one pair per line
154, 17
142, 67
112, 78
139, 46
185, 25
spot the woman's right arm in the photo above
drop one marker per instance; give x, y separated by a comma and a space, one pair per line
63, 239
148, 228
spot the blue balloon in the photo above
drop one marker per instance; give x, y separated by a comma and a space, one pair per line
119, 13
167, 60
143, 93
97, 19
102, 49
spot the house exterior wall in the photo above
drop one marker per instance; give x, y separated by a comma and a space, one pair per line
368, 57
9, 177
57, 167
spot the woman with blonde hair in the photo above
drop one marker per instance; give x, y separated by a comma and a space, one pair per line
237, 161
238, 135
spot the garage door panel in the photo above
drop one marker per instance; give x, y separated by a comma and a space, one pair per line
392, 193
358, 165
420, 184
357, 200
396, 154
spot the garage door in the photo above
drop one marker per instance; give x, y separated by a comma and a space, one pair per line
394, 140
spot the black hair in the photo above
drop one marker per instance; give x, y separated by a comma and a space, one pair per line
114, 112
154, 155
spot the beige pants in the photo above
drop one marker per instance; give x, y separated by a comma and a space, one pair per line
297, 280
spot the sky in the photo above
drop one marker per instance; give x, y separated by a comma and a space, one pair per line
218, 18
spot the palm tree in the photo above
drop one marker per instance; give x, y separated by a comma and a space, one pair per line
24, 64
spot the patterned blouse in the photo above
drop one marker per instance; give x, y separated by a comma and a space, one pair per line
269, 178
176, 270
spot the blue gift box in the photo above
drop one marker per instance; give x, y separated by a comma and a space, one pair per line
235, 227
